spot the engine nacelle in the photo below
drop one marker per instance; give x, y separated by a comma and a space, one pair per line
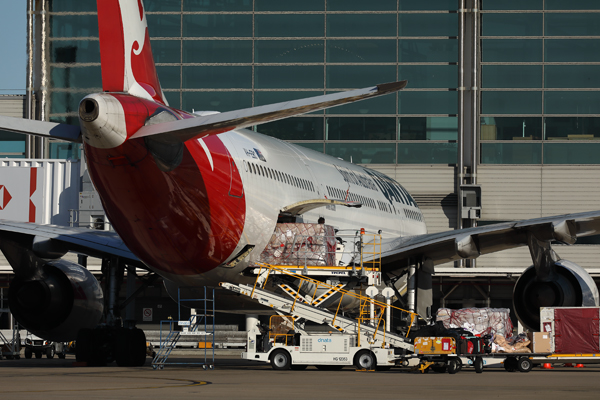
569, 286
59, 301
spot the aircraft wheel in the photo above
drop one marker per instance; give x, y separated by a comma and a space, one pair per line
130, 347
83, 351
280, 360
28, 353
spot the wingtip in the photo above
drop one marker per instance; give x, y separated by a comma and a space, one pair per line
392, 86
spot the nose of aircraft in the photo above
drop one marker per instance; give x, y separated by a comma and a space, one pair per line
102, 121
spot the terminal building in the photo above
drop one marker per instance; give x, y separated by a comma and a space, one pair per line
500, 120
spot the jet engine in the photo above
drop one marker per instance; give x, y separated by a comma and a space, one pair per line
567, 285
58, 301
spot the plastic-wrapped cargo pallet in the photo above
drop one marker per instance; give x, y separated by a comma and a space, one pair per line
492, 321
301, 244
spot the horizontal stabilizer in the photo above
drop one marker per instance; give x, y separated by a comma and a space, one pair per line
186, 129
53, 130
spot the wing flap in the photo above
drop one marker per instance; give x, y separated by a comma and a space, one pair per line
186, 129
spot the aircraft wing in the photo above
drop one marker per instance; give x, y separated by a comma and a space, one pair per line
472, 242
69, 133
86, 241
182, 130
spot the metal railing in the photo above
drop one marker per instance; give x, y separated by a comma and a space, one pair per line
345, 250
365, 302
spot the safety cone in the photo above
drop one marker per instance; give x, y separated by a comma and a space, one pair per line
568, 365
547, 366
579, 366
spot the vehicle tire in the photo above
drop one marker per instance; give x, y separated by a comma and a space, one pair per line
50, 352
510, 364
38, 354
365, 359
281, 360
460, 364
524, 364
299, 367
452, 366
28, 353
478, 364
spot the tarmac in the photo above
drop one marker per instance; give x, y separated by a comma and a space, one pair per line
233, 378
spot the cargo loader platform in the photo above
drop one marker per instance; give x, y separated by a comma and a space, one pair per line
364, 341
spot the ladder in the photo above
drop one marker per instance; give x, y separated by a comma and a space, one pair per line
166, 346
319, 315
191, 327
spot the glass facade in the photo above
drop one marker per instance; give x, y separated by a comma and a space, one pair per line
540, 62
539, 71
224, 55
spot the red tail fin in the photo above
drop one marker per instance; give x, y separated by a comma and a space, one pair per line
125, 54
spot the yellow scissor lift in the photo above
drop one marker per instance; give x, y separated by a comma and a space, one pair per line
365, 341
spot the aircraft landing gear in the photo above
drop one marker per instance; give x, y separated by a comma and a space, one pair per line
112, 342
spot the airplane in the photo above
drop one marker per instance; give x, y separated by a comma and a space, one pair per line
195, 198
